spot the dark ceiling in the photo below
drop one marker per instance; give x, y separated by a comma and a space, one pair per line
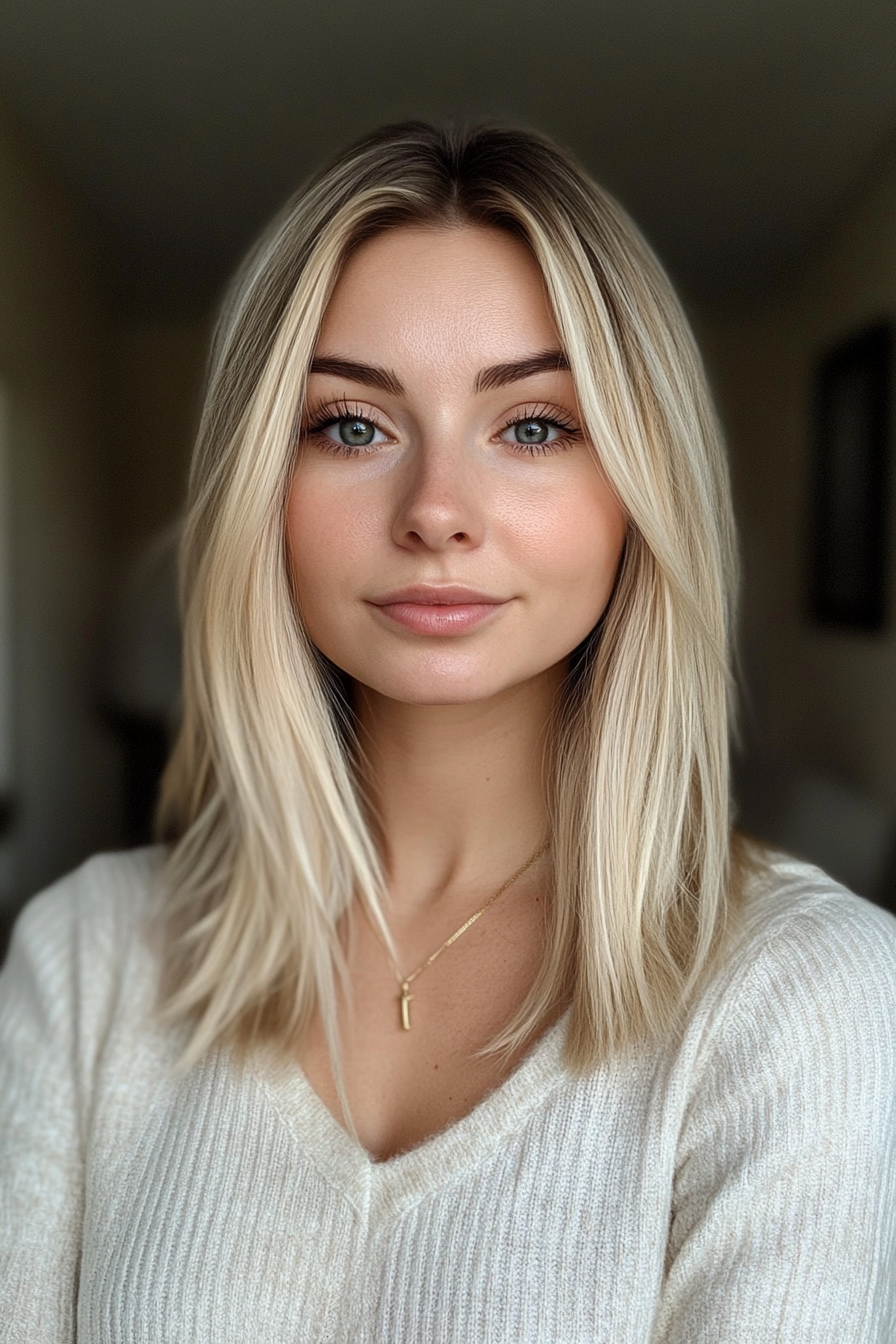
731, 129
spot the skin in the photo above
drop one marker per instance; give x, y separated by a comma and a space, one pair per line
453, 699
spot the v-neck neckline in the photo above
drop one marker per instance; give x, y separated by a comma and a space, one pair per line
398, 1182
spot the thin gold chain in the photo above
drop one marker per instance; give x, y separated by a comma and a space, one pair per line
405, 981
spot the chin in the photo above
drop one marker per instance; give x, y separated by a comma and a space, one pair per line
448, 686
437, 691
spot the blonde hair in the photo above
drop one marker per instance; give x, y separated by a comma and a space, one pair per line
262, 803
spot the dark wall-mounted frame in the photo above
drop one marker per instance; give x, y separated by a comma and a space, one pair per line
848, 522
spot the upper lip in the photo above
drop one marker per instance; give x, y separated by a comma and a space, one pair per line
437, 595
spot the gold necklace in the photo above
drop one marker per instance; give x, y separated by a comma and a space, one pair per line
405, 981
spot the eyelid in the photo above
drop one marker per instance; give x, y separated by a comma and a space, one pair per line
320, 414
560, 416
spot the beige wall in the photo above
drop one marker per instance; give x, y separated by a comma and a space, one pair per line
64, 765
818, 698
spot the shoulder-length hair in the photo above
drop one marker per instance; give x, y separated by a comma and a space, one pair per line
262, 802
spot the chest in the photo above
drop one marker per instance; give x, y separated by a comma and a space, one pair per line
238, 1209
412, 1054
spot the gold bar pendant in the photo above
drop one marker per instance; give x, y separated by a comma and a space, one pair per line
405, 1001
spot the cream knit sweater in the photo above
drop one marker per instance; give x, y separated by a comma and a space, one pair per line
737, 1189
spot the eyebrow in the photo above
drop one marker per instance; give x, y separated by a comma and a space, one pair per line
496, 375
371, 374
499, 375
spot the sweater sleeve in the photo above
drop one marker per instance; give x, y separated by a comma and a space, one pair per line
784, 1210
57, 990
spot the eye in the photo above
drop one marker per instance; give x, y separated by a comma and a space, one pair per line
533, 431
539, 433
353, 431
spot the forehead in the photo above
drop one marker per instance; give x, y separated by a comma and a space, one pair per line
462, 295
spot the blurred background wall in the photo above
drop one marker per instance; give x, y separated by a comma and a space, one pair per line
60, 767
141, 148
97, 415
824, 698
818, 773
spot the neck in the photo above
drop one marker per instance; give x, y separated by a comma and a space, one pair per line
458, 790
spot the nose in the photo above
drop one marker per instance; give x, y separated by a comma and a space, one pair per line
441, 506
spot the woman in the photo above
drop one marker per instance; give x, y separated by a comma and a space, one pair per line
451, 1010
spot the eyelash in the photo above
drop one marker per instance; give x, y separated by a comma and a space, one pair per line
548, 415
322, 416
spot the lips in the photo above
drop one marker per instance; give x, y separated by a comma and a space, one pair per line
438, 610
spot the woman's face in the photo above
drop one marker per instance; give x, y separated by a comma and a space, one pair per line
450, 532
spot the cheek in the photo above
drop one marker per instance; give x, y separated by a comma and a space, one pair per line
577, 547
305, 530
325, 536
321, 546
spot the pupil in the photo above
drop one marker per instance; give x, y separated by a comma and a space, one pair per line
356, 433
532, 431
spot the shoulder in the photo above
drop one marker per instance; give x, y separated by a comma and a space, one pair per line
74, 941
809, 935
106, 898
77, 964
785, 1108
811, 977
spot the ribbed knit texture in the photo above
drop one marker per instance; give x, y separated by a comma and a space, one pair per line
740, 1187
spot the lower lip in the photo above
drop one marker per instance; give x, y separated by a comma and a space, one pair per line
429, 618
